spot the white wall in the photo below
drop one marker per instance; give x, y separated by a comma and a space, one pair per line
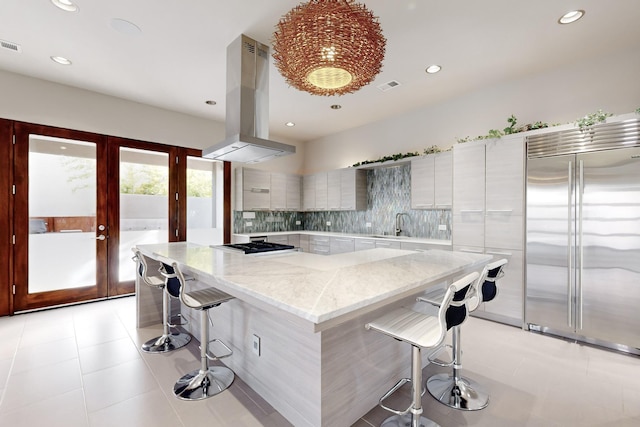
609, 83
37, 101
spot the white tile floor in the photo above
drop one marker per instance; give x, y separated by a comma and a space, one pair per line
81, 366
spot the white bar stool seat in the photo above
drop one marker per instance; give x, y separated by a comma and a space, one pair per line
421, 331
208, 380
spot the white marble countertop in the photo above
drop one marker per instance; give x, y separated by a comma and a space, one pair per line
444, 243
322, 290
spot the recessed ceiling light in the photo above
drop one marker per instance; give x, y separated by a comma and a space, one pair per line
125, 27
210, 102
336, 106
62, 147
61, 60
290, 124
432, 69
570, 17
65, 5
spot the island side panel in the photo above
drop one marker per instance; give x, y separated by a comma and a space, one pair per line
359, 366
287, 372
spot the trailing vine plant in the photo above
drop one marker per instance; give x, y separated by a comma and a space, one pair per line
592, 119
638, 110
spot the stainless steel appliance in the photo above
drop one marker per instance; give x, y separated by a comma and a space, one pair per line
583, 234
247, 107
257, 247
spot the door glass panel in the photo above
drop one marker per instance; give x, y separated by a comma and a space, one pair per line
62, 214
204, 203
144, 203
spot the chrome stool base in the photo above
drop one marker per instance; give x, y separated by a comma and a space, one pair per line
198, 385
406, 420
464, 394
165, 343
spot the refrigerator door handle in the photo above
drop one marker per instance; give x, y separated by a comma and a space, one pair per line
570, 247
580, 192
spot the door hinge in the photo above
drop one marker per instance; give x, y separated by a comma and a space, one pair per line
14, 189
176, 196
14, 289
14, 239
176, 160
176, 232
14, 139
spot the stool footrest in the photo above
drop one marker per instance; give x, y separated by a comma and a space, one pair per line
213, 356
388, 394
182, 321
433, 356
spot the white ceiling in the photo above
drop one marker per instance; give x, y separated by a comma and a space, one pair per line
178, 61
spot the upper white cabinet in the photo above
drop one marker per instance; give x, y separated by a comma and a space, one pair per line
423, 183
342, 189
321, 191
278, 191
353, 189
505, 175
431, 181
443, 180
294, 192
253, 188
309, 192
334, 192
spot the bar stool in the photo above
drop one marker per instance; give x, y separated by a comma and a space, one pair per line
421, 331
452, 389
168, 341
208, 380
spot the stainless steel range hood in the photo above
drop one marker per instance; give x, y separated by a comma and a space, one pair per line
247, 112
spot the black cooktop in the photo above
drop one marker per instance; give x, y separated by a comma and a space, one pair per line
258, 247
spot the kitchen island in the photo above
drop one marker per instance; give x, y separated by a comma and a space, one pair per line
316, 364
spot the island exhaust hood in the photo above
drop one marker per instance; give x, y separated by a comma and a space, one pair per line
247, 111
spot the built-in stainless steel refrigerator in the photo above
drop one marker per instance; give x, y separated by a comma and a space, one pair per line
583, 234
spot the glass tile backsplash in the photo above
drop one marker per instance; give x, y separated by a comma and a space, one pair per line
388, 193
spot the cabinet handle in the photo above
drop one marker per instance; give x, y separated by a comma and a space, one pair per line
444, 206
259, 190
424, 205
499, 253
382, 244
471, 211
471, 251
499, 210
322, 251
344, 240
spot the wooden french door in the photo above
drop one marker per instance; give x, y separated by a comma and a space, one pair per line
59, 216
73, 203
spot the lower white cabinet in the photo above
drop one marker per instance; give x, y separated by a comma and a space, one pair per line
320, 245
391, 244
339, 245
363, 244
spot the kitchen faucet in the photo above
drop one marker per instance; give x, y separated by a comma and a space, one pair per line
399, 222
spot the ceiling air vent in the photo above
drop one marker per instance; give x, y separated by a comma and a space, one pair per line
389, 85
10, 46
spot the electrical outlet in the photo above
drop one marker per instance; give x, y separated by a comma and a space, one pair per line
298, 222
368, 225
328, 223
256, 345
248, 215
248, 223
442, 227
